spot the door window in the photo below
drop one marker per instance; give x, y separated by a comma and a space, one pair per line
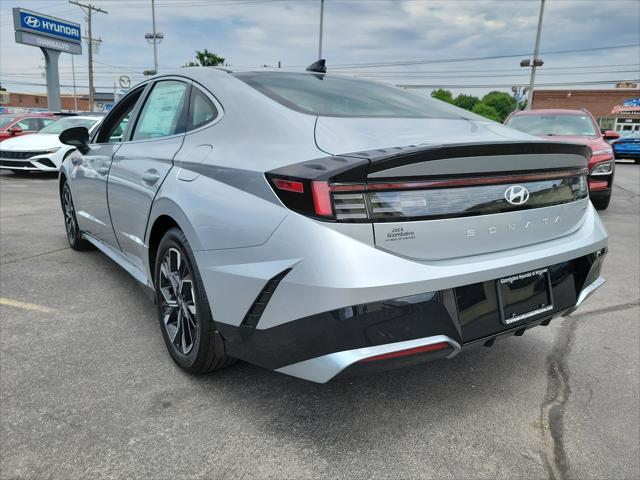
29, 124
164, 112
44, 122
201, 110
115, 124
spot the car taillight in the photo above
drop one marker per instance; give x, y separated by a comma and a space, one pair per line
384, 201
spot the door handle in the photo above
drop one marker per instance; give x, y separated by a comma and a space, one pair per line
150, 177
102, 170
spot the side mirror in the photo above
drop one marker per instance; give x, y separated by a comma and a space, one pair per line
76, 137
15, 130
610, 135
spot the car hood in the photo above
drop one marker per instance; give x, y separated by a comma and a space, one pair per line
32, 142
336, 135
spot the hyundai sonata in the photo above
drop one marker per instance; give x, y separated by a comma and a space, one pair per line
318, 225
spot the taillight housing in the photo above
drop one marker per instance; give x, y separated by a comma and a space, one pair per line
393, 201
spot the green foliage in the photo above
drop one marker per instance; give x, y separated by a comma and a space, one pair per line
444, 95
466, 101
501, 102
487, 111
205, 58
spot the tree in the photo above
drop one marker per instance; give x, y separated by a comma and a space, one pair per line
444, 95
486, 111
205, 58
466, 101
501, 102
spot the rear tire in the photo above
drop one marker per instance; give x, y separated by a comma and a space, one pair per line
601, 203
184, 314
74, 237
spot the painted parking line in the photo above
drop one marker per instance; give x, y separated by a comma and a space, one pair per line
24, 305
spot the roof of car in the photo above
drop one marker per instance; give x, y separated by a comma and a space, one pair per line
27, 114
551, 111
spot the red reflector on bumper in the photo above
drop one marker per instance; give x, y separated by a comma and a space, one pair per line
410, 351
598, 185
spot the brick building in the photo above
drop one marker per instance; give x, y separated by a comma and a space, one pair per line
615, 109
39, 101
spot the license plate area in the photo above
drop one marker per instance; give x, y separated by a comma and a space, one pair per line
524, 296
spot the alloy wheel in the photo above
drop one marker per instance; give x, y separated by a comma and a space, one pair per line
178, 303
69, 214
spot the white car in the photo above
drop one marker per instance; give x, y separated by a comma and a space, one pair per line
42, 151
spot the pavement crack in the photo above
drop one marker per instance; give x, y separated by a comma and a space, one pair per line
558, 390
16, 260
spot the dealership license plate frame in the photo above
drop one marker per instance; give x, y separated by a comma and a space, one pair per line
510, 313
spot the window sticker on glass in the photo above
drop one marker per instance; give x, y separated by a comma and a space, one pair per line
162, 112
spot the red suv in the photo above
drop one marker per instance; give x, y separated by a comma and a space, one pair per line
15, 124
576, 126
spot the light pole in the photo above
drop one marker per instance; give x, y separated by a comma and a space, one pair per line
153, 38
537, 62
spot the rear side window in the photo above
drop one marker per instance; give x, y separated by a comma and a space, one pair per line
164, 112
336, 96
201, 110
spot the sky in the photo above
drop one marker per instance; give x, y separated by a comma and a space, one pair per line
438, 41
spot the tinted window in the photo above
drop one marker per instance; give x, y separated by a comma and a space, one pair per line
201, 109
544, 124
29, 124
115, 124
348, 97
163, 113
61, 125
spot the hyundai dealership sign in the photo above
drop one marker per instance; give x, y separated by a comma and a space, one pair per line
41, 30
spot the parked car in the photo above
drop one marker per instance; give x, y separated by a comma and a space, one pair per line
15, 125
577, 126
315, 224
628, 145
42, 151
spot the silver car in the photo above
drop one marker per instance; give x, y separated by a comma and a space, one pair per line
318, 225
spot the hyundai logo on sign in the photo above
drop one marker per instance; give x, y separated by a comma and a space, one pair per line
516, 195
27, 21
32, 22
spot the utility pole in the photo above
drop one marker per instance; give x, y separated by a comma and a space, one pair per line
536, 61
321, 26
88, 9
154, 38
75, 95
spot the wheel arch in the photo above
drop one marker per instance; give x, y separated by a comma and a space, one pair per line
164, 215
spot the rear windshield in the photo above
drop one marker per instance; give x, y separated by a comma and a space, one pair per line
556, 124
336, 96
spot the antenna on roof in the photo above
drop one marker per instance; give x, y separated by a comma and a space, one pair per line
318, 66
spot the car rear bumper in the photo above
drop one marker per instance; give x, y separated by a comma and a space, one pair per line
312, 291
395, 332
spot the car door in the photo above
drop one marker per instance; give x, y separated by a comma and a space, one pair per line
143, 161
90, 170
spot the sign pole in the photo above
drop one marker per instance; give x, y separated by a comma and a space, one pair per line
53, 79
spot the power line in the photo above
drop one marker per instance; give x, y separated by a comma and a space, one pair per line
470, 59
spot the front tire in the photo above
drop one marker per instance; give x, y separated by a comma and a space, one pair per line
183, 310
74, 236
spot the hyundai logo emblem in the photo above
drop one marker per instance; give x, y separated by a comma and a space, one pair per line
32, 22
516, 195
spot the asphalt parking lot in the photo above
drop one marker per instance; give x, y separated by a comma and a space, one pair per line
89, 391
